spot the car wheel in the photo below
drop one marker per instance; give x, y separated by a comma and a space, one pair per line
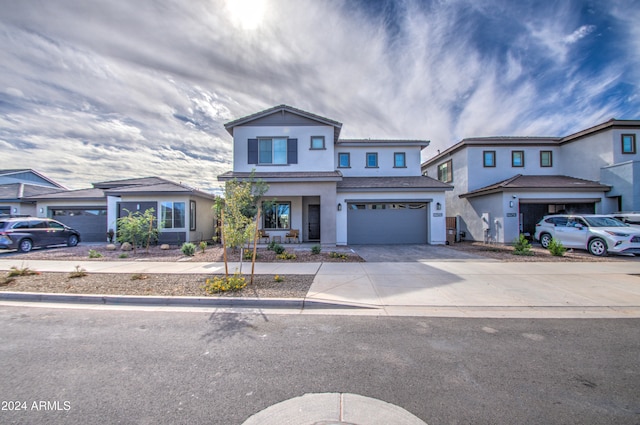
25, 245
597, 247
72, 241
545, 240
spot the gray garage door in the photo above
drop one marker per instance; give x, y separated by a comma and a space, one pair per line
386, 223
91, 223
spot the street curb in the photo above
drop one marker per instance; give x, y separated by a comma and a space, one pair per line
222, 302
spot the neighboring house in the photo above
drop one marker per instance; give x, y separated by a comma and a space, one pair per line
504, 185
183, 213
15, 185
336, 191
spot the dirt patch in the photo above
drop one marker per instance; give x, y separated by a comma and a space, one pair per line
264, 286
212, 254
505, 253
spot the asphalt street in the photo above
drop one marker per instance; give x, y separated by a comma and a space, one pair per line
109, 367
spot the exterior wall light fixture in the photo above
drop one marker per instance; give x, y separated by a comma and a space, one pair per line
438, 206
339, 206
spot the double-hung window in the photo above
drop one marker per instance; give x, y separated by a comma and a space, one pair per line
372, 160
344, 160
628, 143
276, 215
172, 215
272, 151
517, 158
546, 159
399, 160
489, 158
445, 172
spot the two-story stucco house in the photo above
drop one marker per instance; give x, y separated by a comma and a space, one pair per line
335, 191
504, 185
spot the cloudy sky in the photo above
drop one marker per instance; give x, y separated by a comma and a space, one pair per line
96, 90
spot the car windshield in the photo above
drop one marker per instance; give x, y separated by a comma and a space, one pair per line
604, 222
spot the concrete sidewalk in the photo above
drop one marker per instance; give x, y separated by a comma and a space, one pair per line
430, 288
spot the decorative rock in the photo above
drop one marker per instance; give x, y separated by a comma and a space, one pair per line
126, 246
110, 247
165, 246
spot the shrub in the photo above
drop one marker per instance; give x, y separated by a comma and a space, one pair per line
24, 271
225, 283
556, 248
139, 276
78, 272
286, 256
278, 249
521, 246
123, 255
339, 255
316, 249
248, 254
94, 254
278, 278
188, 249
203, 246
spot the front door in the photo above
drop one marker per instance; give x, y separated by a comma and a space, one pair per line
314, 222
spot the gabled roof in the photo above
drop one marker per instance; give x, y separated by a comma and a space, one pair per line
521, 182
129, 182
43, 179
80, 194
160, 188
408, 183
18, 191
282, 109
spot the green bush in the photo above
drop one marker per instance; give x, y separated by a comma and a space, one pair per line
203, 246
278, 249
521, 246
248, 255
224, 284
188, 249
339, 255
286, 256
94, 254
316, 249
123, 255
556, 248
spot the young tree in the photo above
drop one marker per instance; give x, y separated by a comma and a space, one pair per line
139, 229
239, 208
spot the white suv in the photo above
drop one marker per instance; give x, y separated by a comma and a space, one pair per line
598, 234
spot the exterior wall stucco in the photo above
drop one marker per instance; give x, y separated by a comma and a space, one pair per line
385, 167
308, 159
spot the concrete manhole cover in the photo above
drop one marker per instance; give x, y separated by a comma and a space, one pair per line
333, 409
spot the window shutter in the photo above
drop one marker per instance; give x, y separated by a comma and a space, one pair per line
292, 151
253, 151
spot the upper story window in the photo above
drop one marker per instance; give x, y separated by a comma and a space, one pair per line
517, 158
445, 172
317, 142
628, 143
489, 158
344, 160
400, 160
272, 151
372, 159
546, 158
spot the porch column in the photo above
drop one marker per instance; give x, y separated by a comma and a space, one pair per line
328, 210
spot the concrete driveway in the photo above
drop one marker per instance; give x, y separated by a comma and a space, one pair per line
410, 253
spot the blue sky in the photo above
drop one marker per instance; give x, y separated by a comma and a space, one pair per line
96, 90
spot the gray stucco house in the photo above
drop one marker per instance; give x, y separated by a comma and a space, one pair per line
336, 191
504, 185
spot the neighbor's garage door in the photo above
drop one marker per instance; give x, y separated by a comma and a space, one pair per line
91, 223
386, 223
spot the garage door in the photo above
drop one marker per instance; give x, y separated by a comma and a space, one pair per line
91, 223
386, 223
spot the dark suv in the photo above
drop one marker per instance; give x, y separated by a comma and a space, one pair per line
24, 233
